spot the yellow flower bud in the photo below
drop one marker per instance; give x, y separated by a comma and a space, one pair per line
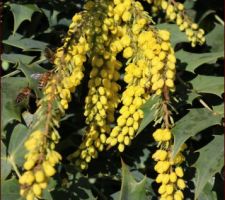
180, 6
43, 185
128, 52
120, 138
130, 121
39, 176
181, 184
121, 147
103, 138
173, 177
29, 177
162, 189
165, 35
36, 189
126, 16
48, 169
179, 171
30, 196
113, 142
169, 188
165, 179
29, 164
127, 140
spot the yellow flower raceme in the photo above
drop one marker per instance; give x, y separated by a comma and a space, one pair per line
175, 12
41, 157
169, 171
102, 98
39, 165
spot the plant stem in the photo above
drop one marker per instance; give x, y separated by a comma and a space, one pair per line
219, 20
12, 73
205, 104
166, 111
14, 167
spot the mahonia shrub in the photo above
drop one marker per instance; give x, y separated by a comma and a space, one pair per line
90, 85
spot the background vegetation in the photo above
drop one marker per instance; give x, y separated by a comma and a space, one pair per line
31, 26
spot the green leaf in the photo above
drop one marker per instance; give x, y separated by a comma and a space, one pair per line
15, 58
51, 16
208, 193
208, 84
193, 60
28, 118
10, 89
16, 148
130, 189
219, 109
5, 165
176, 35
191, 124
210, 161
26, 44
215, 39
10, 190
22, 12
148, 113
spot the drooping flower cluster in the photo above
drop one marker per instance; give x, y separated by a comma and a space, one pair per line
39, 165
152, 65
41, 157
175, 12
170, 172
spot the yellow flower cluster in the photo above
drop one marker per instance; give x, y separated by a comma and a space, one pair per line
154, 69
170, 173
156, 47
101, 102
69, 63
41, 157
102, 98
74, 59
175, 12
39, 165
136, 77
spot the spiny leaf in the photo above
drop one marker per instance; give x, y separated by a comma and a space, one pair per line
219, 109
22, 12
194, 60
215, 39
16, 148
51, 16
210, 161
208, 84
191, 124
130, 189
15, 58
28, 118
148, 113
26, 44
10, 190
5, 165
208, 193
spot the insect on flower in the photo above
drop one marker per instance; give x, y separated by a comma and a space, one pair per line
49, 54
24, 94
42, 77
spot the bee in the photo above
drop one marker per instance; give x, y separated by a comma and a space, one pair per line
49, 54
24, 94
42, 78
